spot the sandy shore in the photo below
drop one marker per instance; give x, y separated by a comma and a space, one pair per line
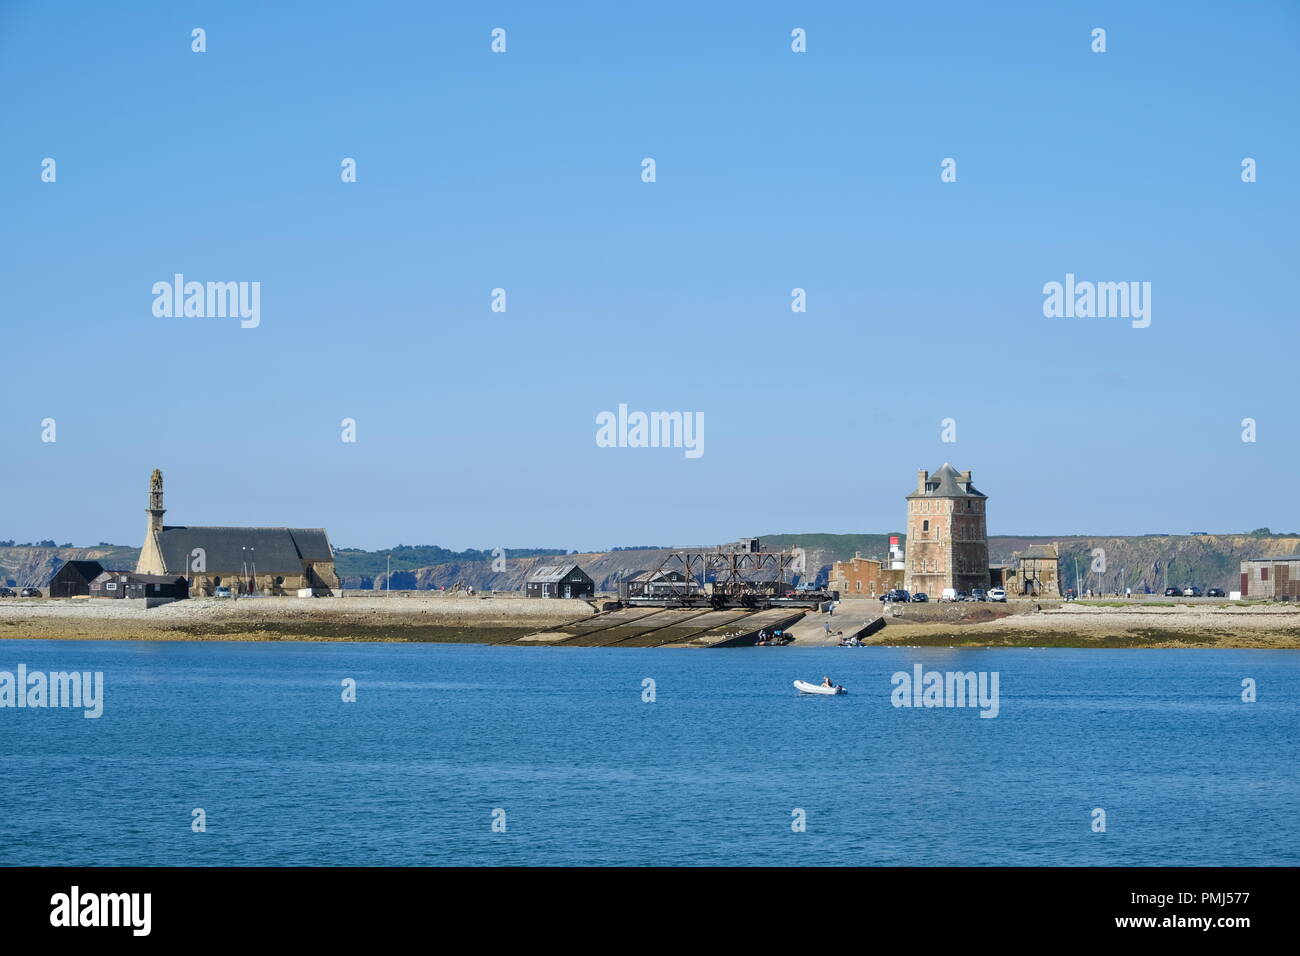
434, 618
1078, 625
1052, 624
499, 619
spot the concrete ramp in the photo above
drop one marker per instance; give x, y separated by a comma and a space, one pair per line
811, 632
686, 629
665, 627
643, 631
743, 632
589, 627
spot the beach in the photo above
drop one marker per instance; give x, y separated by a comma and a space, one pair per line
496, 619
434, 618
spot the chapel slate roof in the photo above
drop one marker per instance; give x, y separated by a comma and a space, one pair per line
274, 550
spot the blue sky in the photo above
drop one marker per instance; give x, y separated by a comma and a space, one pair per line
522, 170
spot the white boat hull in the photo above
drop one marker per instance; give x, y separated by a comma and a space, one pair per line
806, 688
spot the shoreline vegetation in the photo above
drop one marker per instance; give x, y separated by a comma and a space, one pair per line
498, 619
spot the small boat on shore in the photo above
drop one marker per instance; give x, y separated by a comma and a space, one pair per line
806, 688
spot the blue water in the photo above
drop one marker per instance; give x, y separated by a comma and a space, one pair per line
258, 736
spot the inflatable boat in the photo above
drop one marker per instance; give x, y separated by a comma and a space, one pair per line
806, 688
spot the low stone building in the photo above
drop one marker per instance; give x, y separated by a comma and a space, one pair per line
1271, 579
1035, 571
864, 577
246, 560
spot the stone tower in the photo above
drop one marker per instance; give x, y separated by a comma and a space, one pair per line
151, 561
947, 538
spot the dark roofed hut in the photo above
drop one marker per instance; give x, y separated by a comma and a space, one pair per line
73, 579
157, 586
129, 584
649, 584
559, 581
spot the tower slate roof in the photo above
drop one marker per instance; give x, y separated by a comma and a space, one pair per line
948, 482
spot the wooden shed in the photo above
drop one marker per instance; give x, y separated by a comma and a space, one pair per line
73, 579
129, 584
559, 581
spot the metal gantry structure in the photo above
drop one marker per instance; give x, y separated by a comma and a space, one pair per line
743, 575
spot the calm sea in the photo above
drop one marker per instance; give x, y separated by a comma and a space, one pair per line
711, 772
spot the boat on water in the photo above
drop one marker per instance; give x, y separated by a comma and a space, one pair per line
806, 688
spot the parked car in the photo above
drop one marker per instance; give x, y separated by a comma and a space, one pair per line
1215, 592
961, 596
1173, 592
7, 592
1191, 592
30, 592
949, 594
998, 594
222, 592
978, 594
920, 597
897, 595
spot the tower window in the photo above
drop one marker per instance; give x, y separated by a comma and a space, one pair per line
925, 526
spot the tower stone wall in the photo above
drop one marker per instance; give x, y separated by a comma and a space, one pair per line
150, 561
947, 536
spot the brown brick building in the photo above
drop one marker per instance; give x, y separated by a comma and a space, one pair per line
947, 539
864, 577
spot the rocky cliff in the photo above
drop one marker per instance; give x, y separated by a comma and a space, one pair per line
31, 567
